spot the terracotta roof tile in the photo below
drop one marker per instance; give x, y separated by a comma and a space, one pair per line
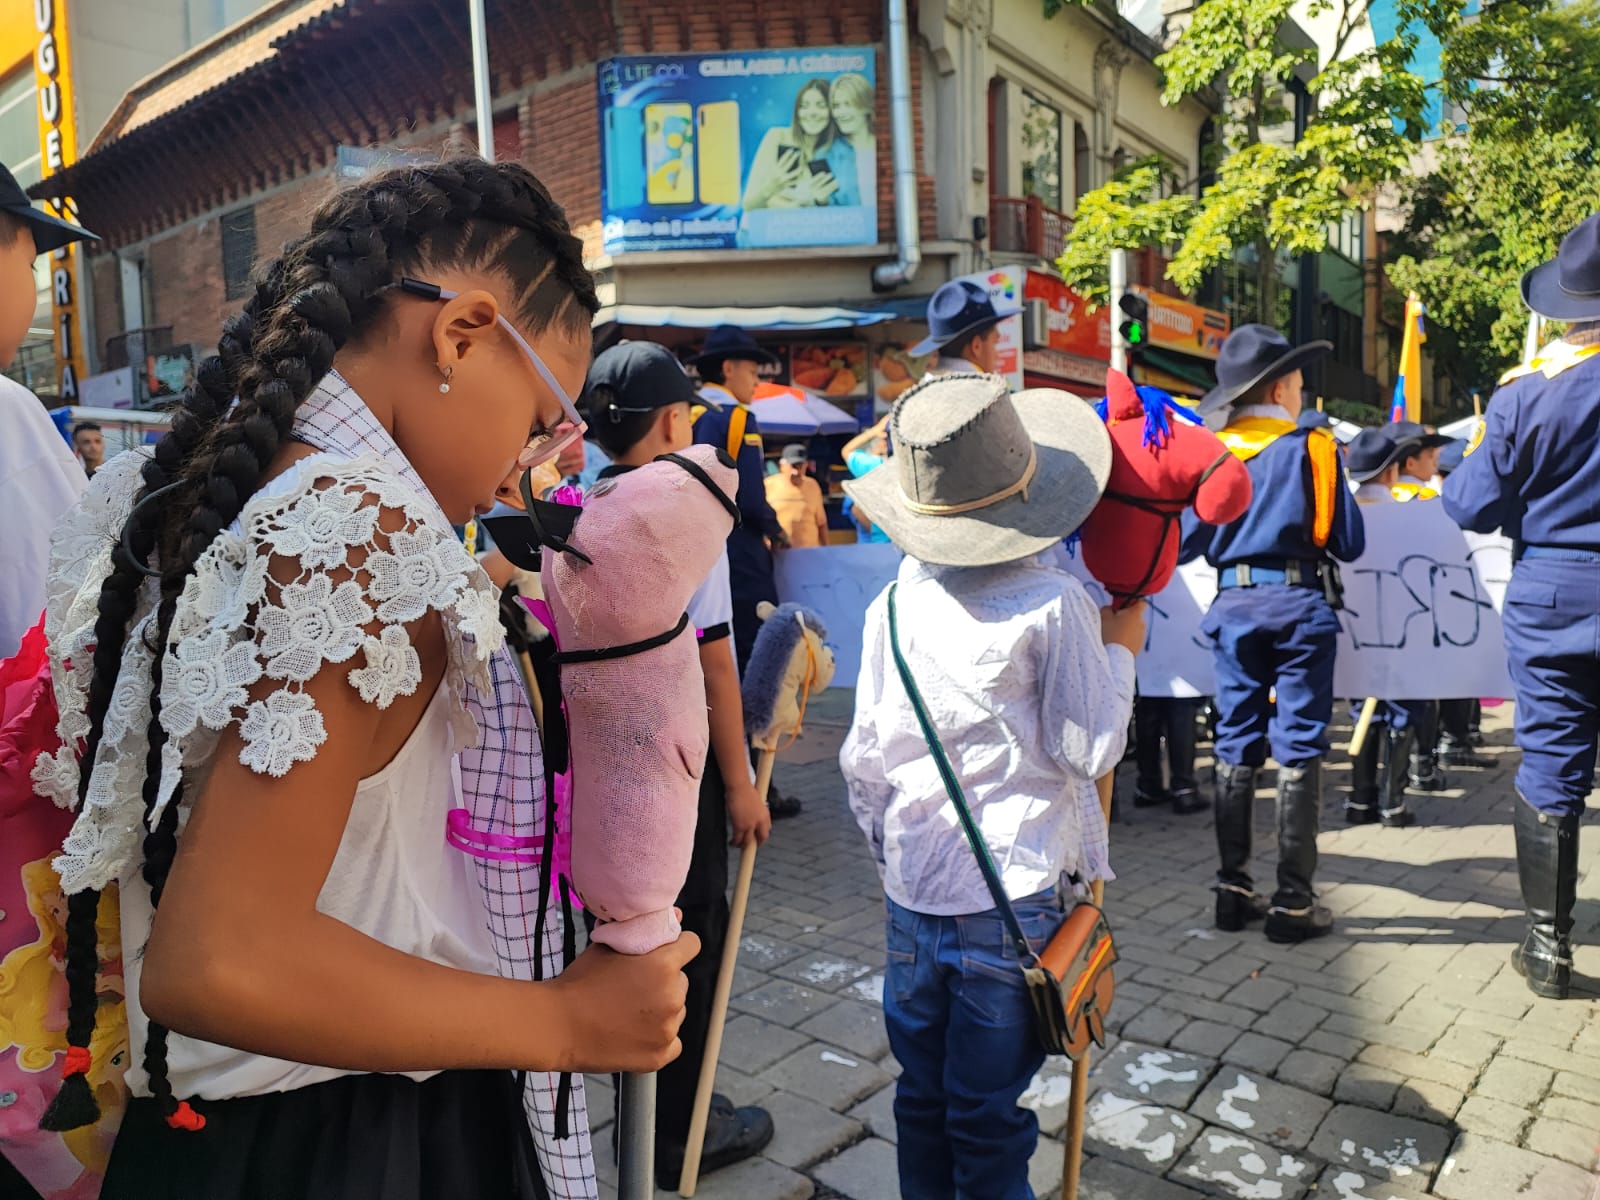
210, 65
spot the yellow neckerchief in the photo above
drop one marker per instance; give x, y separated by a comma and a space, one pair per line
1408, 490
1555, 358
1247, 437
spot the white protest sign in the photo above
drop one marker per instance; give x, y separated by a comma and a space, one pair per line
838, 582
1421, 617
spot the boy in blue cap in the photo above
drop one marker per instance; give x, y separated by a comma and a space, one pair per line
1273, 625
1533, 472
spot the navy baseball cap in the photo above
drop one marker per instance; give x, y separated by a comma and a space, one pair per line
643, 376
49, 233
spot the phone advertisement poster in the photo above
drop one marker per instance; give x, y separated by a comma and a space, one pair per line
739, 151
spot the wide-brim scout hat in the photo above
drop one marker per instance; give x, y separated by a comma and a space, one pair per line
1567, 288
1415, 436
49, 233
727, 342
980, 476
1451, 455
1253, 355
1371, 452
960, 310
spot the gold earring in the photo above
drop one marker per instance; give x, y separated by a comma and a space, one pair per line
448, 372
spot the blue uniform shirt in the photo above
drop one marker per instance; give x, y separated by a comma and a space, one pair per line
1277, 525
712, 430
1533, 474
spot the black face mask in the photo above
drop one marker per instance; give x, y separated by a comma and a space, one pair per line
545, 523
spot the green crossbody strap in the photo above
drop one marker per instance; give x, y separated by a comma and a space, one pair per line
952, 787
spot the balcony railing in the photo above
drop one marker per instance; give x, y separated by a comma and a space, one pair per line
1026, 225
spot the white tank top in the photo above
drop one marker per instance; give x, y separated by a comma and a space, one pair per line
394, 879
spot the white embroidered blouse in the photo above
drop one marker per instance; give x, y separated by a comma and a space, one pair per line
361, 549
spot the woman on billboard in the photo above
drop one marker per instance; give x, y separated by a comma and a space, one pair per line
794, 169
850, 100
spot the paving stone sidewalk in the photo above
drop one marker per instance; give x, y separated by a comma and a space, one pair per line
1400, 1058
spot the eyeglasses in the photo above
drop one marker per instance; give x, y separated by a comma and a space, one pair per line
544, 446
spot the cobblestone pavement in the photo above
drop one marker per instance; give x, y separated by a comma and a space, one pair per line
1397, 1059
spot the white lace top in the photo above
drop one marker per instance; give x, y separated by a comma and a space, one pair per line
235, 625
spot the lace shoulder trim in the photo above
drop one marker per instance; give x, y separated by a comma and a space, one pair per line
325, 568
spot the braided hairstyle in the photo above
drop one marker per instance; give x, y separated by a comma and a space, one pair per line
327, 289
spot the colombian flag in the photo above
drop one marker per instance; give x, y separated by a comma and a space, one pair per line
1407, 404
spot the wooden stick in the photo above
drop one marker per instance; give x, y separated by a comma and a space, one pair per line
701, 1113
1369, 708
1080, 1066
530, 683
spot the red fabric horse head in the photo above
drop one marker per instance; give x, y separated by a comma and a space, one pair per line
1161, 464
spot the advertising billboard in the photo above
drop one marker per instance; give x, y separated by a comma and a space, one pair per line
739, 150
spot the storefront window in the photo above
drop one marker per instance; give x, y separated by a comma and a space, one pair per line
19, 127
1041, 151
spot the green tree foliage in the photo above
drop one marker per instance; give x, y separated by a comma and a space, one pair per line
1271, 190
1504, 191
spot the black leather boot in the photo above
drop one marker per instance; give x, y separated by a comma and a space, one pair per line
1362, 806
1547, 863
1295, 916
1149, 719
1455, 736
1181, 731
1425, 773
1237, 901
1392, 810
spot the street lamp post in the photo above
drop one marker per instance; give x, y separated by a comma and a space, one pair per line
480, 80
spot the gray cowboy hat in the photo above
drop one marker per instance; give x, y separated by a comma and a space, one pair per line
1253, 355
980, 476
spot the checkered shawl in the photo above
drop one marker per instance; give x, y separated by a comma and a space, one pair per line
502, 782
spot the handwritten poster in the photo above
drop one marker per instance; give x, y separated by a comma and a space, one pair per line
838, 582
1421, 617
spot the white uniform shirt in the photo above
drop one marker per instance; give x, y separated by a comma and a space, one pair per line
39, 480
1031, 707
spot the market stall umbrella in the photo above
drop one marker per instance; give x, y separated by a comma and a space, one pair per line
795, 412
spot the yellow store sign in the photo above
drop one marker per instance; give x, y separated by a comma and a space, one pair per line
58, 143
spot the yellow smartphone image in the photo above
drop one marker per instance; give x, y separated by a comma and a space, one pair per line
719, 152
669, 153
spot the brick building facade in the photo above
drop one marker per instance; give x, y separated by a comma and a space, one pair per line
220, 158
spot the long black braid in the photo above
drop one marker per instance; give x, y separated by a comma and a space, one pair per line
326, 289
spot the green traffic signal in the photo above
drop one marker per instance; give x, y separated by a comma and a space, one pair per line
1137, 309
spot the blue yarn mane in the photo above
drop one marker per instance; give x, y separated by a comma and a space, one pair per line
769, 659
1159, 408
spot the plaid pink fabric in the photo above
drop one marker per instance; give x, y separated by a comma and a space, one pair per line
502, 780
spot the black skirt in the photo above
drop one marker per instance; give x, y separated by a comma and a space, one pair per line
358, 1137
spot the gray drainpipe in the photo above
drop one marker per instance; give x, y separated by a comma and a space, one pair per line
888, 276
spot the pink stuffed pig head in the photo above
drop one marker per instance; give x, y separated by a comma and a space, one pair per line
651, 536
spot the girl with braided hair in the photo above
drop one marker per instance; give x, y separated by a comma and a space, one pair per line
265, 636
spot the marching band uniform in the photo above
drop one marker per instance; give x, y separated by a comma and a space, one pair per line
1531, 473
1273, 628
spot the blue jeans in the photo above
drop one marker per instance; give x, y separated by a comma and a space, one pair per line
962, 1029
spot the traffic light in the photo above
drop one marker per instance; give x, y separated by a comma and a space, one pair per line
1135, 329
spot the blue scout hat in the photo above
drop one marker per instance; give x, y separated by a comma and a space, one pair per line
957, 311
1451, 455
1567, 288
1253, 355
1402, 432
729, 341
1370, 452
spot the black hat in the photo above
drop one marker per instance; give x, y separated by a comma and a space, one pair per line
1253, 355
1370, 452
642, 376
957, 311
729, 341
1567, 288
49, 233
1414, 436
